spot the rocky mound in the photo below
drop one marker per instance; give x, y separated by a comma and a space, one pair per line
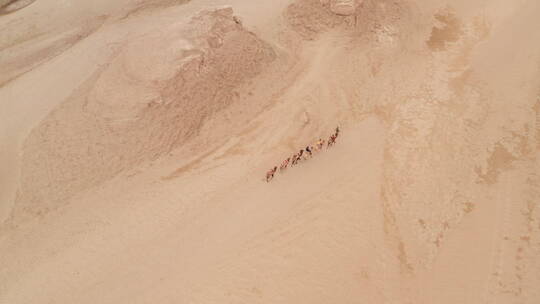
152, 97
370, 18
342, 7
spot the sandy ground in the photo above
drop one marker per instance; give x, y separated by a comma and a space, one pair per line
135, 136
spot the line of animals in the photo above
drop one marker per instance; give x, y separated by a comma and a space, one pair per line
304, 154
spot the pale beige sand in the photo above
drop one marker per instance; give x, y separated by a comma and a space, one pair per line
135, 136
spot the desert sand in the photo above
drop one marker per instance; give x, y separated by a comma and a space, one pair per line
135, 136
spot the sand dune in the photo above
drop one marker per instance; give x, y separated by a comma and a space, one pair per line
136, 134
10, 6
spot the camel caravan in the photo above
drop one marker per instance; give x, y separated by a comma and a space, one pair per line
303, 154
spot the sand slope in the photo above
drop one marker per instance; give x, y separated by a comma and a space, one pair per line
139, 177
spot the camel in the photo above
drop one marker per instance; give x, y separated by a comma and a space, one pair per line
284, 164
270, 174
